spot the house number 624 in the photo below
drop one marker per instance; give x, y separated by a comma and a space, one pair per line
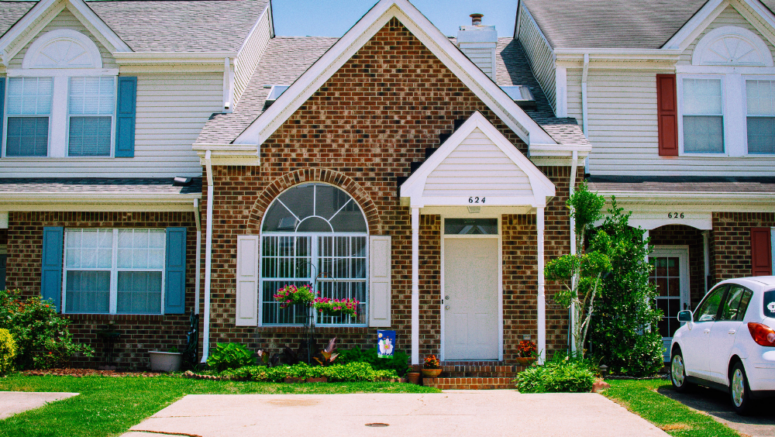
476, 199
675, 215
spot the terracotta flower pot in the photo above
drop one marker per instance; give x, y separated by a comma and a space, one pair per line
431, 373
413, 377
525, 361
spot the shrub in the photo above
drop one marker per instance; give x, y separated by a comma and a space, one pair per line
353, 372
42, 338
561, 375
623, 334
7, 351
398, 363
230, 356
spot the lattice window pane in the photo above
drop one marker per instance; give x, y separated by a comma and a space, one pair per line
88, 292
27, 136
139, 293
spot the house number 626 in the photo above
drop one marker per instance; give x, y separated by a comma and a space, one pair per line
476, 199
675, 215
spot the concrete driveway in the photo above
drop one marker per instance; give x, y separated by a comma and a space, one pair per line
485, 413
717, 404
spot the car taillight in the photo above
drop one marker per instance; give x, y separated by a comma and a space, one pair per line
762, 334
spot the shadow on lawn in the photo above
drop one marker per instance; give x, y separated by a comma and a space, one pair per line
718, 405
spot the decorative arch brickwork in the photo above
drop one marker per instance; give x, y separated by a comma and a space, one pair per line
324, 175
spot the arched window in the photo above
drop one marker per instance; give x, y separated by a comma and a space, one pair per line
314, 231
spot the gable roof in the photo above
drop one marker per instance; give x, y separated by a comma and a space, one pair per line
643, 24
287, 58
430, 36
187, 26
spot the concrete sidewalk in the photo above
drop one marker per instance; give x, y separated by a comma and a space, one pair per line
15, 402
485, 413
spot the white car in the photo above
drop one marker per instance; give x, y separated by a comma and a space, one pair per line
728, 342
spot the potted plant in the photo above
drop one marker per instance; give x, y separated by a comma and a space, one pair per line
169, 361
336, 307
413, 376
526, 353
293, 295
431, 368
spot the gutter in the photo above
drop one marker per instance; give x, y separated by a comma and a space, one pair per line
571, 190
584, 108
208, 257
198, 219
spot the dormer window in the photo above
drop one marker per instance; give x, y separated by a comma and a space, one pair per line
61, 103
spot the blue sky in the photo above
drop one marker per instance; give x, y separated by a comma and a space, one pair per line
335, 17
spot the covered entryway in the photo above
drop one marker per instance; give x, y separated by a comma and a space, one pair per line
671, 276
470, 287
475, 178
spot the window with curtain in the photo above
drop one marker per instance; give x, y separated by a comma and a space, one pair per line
114, 271
314, 234
760, 120
703, 116
28, 110
91, 104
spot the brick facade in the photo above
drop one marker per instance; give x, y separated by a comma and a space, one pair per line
139, 334
731, 242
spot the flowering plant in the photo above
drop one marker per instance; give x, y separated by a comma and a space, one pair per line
336, 307
431, 362
526, 349
292, 295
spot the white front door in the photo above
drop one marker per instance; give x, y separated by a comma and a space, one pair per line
470, 299
671, 275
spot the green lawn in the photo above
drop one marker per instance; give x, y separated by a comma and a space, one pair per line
109, 406
676, 419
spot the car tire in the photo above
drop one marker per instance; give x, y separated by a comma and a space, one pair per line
678, 372
739, 390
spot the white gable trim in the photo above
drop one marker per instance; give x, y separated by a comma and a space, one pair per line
32, 57
764, 58
29, 26
413, 187
484, 88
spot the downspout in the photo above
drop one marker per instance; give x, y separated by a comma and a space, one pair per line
571, 189
584, 109
208, 255
198, 255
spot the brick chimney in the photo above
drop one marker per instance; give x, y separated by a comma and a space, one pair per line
479, 42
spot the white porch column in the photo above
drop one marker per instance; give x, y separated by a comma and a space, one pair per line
541, 295
706, 258
645, 238
415, 285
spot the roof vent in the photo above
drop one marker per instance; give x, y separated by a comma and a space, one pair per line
479, 43
476, 19
275, 93
521, 95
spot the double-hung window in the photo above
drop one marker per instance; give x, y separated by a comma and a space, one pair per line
703, 116
314, 234
760, 116
91, 105
28, 109
114, 271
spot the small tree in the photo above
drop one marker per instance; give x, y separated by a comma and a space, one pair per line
624, 335
581, 272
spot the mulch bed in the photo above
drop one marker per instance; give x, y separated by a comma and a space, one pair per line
87, 372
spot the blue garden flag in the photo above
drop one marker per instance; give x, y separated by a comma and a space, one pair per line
386, 342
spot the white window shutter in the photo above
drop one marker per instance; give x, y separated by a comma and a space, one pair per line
379, 281
247, 280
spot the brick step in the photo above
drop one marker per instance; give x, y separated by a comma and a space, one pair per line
469, 383
511, 375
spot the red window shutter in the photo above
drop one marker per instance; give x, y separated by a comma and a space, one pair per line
667, 113
761, 255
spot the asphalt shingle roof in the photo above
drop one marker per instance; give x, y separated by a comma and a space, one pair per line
167, 25
646, 24
287, 58
96, 185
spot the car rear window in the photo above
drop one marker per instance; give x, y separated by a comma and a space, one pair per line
769, 304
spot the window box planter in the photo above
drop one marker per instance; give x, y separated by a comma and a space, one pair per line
166, 361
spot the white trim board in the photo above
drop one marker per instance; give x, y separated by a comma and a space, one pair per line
325, 67
413, 188
36, 19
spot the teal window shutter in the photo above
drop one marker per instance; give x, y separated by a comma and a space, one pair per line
126, 107
2, 107
51, 265
175, 272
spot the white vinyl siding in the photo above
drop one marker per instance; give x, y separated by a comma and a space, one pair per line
728, 17
482, 57
66, 20
539, 53
251, 54
495, 174
171, 111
